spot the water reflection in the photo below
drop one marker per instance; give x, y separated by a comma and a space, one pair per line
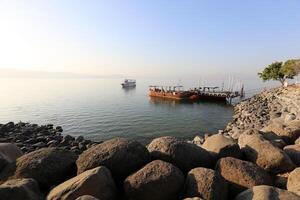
129, 90
174, 102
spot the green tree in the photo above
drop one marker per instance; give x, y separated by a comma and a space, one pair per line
276, 71
292, 67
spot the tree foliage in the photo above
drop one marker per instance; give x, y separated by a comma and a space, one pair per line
273, 72
292, 67
280, 71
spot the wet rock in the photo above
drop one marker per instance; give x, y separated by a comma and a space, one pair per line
184, 155
293, 151
25, 189
69, 138
97, 182
264, 153
48, 166
241, 175
30, 137
205, 183
59, 129
221, 146
82, 147
119, 155
39, 145
80, 138
157, 180
52, 142
293, 183
264, 192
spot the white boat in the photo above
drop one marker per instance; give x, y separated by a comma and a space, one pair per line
128, 83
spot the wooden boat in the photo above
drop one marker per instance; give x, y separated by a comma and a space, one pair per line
171, 92
213, 94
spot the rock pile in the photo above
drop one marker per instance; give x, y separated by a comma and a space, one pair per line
278, 107
29, 137
123, 169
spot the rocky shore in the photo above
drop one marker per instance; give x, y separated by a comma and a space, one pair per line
256, 157
29, 137
278, 105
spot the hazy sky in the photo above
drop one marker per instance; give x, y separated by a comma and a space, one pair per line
148, 38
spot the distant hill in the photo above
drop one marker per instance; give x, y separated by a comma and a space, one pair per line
15, 73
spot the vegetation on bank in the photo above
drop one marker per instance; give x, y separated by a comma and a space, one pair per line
280, 71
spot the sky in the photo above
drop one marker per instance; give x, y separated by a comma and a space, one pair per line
148, 38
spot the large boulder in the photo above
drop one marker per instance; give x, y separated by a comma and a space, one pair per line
48, 166
206, 183
293, 183
20, 189
97, 182
264, 153
264, 192
221, 146
289, 131
8, 154
293, 151
184, 155
242, 175
157, 180
9, 151
119, 155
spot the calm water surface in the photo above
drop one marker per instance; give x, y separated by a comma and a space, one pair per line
100, 109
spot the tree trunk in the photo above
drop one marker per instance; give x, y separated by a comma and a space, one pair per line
282, 81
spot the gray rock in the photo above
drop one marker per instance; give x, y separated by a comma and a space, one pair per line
206, 183
48, 166
184, 155
119, 155
242, 175
221, 146
10, 152
39, 145
80, 138
3, 162
264, 153
97, 182
25, 189
157, 180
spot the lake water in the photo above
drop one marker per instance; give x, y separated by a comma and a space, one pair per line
100, 109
